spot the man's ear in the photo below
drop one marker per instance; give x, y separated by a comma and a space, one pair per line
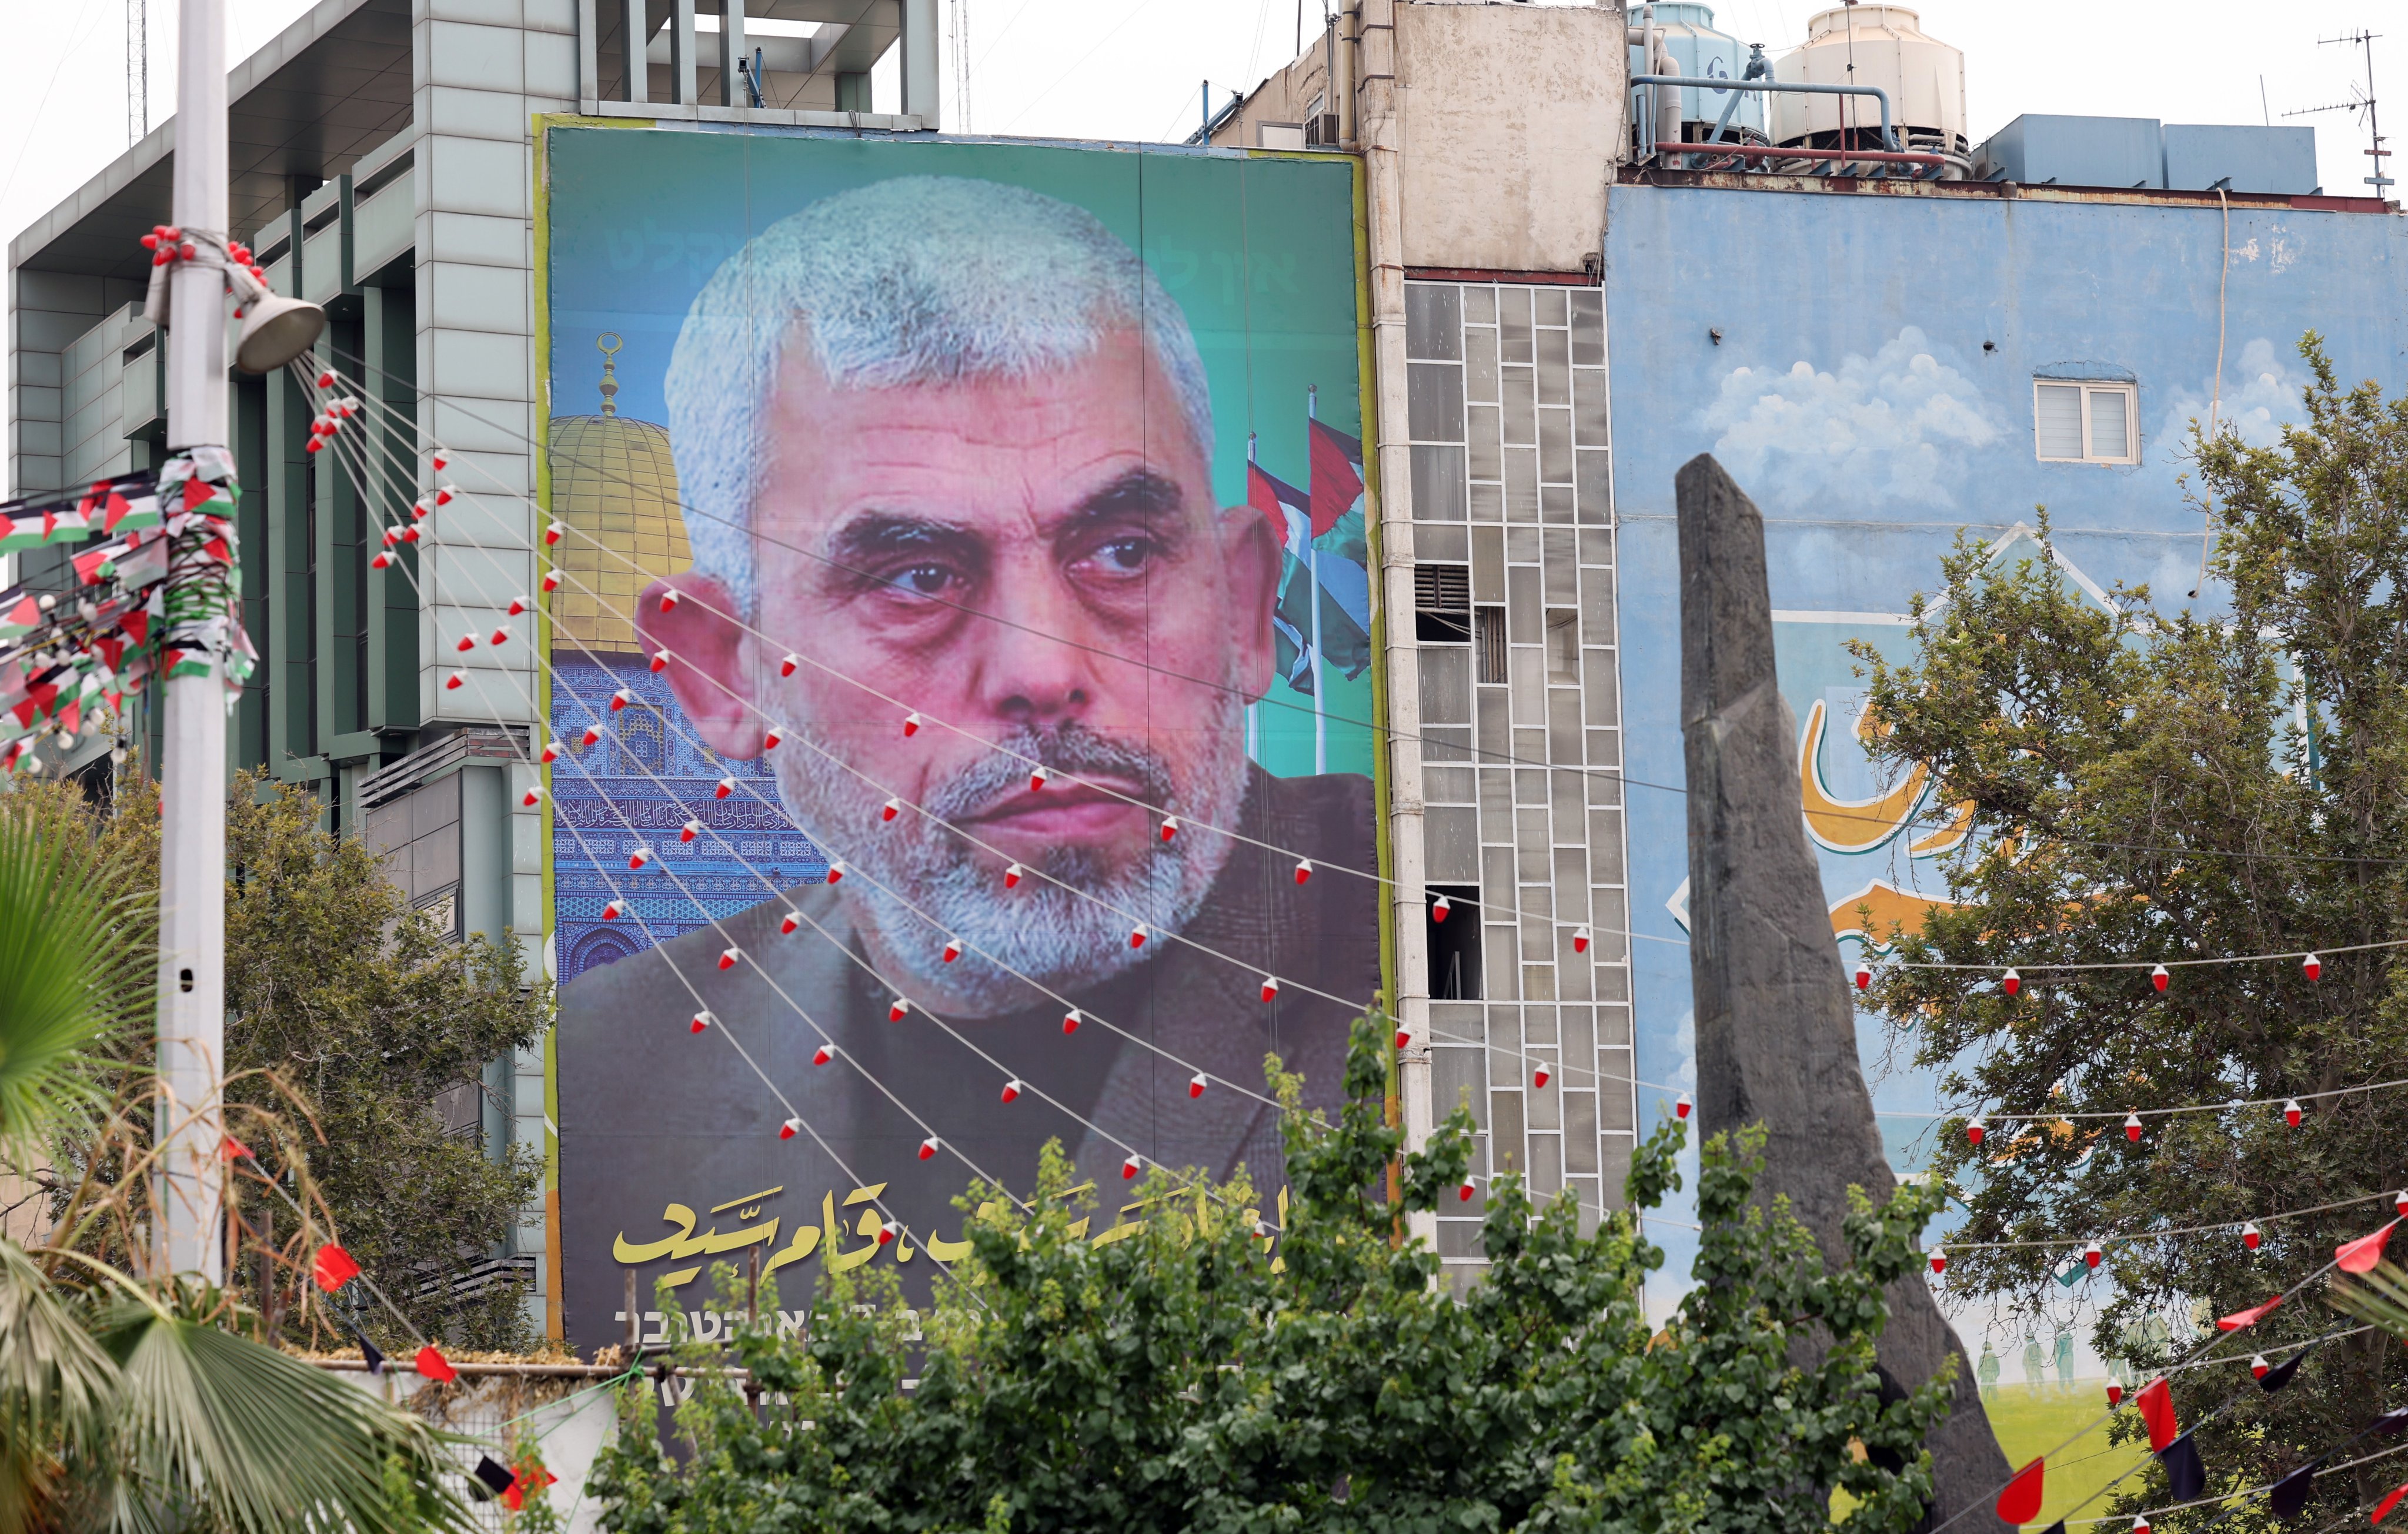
705, 667
1251, 554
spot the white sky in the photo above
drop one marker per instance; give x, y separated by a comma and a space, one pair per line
1133, 69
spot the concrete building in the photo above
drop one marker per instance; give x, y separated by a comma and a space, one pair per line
382, 168
1578, 277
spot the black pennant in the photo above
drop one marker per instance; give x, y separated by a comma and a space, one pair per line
2292, 1492
497, 1477
2280, 1376
373, 1354
2185, 1476
2057, 1528
2390, 1421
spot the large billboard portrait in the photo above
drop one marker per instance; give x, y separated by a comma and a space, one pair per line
962, 671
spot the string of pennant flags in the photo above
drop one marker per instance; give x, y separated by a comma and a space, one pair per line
154, 565
703, 1020
900, 1006
610, 476
2018, 1499
910, 721
2174, 1448
2092, 1251
327, 428
2161, 972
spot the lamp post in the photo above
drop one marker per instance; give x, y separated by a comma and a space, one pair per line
190, 1180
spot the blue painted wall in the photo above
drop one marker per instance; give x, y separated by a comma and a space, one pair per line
1852, 395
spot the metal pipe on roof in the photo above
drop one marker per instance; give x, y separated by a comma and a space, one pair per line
1889, 139
1881, 157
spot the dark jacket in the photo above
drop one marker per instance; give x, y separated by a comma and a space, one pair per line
652, 1116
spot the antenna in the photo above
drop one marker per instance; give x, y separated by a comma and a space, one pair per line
137, 70
961, 26
2364, 103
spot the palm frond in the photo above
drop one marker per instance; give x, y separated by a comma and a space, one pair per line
56, 1388
216, 1429
2380, 1297
75, 965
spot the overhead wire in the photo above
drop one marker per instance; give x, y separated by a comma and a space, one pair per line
1485, 756
1371, 1008
1522, 1049
1137, 1155
702, 1008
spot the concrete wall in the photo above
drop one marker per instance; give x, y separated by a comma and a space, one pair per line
481, 70
1513, 120
1511, 488
48, 312
1865, 367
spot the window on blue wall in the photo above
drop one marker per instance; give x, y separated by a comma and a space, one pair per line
2085, 423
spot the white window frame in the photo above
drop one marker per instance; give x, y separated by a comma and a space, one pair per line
2131, 396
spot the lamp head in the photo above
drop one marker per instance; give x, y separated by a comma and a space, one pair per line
276, 330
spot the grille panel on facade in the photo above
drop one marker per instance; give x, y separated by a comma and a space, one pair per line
1443, 603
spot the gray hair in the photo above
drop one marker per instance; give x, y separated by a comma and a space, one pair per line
913, 280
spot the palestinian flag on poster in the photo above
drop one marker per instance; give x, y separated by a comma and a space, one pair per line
1336, 475
1324, 611
1290, 510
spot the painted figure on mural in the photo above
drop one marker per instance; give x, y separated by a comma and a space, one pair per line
1987, 1372
945, 451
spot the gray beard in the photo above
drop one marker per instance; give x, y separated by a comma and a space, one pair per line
916, 883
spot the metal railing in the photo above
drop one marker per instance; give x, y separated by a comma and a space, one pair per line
1889, 154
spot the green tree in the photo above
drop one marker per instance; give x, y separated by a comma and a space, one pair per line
1206, 1373
2153, 786
342, 993
124, 1403
350, 1011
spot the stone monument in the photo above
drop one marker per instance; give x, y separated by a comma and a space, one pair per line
1776, 1033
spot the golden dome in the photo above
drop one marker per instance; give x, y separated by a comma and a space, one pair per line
615, 481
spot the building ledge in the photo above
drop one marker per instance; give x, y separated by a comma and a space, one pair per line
1725, 180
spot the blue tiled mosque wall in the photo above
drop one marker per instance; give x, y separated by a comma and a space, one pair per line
646, 776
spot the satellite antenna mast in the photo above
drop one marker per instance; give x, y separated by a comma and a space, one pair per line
2365, 103
137, 70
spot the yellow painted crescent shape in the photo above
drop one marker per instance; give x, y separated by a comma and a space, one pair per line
1949, 837
1851, 825
1893, 909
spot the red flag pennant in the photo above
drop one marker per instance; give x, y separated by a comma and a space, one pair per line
2157, 1403
2360, 1255
197, 492
70, 716
138, 626
1336, 475
2384, 1507
1274, 497
334, 1267
2020, 1502
2249, 1317
231, 1149
533, 1479
118, 506
431, 1365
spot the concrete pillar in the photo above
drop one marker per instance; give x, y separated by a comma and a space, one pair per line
920, 73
